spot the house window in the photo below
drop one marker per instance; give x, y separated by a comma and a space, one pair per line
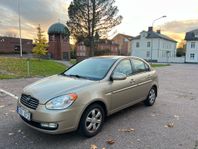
125, 40
196, 35
137, 44
192, 56
147, 53
193, 45
148, 44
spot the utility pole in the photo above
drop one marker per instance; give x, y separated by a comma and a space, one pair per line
152, 38
20, 41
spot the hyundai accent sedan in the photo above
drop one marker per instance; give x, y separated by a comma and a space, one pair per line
81, 97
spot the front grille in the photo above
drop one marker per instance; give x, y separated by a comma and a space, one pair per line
29, 101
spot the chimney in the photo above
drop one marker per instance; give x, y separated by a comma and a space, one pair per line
150, 29
159, 31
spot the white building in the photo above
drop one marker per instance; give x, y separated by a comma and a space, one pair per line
154, 46
192, 46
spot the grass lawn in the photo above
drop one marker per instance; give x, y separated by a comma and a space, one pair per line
17, 68
159, 65
73, 61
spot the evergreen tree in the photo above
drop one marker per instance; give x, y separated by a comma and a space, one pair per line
40, 43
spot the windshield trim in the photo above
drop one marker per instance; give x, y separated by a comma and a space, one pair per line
94, 79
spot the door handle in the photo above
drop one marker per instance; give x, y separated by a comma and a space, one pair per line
132, 81
149, 77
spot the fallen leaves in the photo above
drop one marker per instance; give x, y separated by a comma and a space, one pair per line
176, 116
2, 106
10, 133
169, 125
13, 111
19, 131
110, 141
93, 146
126, 130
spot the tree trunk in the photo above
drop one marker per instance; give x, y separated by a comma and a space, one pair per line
93, 27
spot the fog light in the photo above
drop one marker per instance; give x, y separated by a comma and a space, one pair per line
49, 125
52, 125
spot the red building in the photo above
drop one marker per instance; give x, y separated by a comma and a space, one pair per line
125, 43
106, 47
12, 45
102, 47
59, 47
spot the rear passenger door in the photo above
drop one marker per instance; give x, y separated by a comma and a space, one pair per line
143, 78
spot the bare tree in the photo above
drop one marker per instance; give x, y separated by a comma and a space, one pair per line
88, 17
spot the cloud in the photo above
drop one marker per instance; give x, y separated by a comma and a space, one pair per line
181, 26
178, 29
44, 12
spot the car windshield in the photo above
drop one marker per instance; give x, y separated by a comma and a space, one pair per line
92, 68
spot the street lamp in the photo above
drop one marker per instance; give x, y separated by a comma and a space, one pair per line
158, 19
152, 38
19, 13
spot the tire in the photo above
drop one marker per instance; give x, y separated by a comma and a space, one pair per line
92, 121
150, 100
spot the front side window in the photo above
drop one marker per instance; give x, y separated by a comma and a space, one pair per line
124, 67
193, 45
92, 68
139, 66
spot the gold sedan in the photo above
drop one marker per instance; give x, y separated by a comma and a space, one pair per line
81, 97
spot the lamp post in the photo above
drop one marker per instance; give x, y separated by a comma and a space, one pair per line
152, 38
19, 13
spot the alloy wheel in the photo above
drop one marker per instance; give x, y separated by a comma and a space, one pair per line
93, 120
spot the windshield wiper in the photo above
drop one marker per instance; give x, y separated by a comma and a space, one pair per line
76, 76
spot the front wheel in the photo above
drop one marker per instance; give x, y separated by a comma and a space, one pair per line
151, 97
92, 120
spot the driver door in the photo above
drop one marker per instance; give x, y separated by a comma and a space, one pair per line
122, 90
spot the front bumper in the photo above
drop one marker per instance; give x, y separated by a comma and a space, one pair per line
67, 120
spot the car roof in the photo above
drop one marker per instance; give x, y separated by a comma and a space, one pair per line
115, 57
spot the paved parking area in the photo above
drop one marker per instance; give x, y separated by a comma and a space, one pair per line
172, 123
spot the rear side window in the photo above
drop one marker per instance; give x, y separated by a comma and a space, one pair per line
139, 66
124, 67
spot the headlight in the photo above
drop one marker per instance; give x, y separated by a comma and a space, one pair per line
61, 102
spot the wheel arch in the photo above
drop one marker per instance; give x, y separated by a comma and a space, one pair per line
96, 101
156, 88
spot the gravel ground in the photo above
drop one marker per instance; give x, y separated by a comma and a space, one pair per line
172, 123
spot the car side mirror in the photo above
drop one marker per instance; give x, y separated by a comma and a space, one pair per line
118, 76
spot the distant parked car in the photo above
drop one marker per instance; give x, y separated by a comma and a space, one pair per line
81, 97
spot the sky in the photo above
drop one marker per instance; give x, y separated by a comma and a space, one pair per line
182, 16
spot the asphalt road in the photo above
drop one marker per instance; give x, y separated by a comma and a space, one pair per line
172, 123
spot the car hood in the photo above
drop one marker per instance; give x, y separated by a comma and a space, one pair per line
54, 86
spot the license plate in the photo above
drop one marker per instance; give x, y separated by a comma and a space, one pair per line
24, 113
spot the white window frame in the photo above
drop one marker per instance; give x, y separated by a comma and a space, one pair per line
137, 44
192, 45
192, 56
147, 54
148, 44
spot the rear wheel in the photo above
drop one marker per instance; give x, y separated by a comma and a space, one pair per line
151, 97
92, 120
